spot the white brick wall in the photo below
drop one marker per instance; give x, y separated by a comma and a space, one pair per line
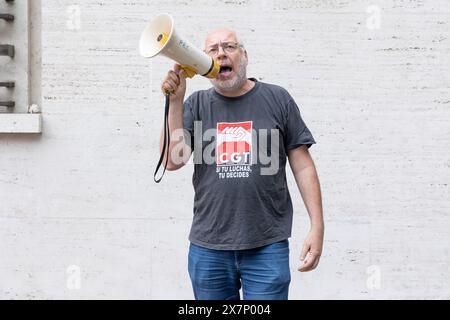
376, 99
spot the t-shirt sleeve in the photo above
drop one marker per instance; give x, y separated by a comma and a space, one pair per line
188, 123
297, 133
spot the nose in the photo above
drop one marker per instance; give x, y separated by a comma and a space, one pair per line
220, 52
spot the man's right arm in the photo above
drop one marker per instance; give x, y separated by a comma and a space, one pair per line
175, 82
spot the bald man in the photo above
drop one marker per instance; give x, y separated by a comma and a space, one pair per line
242, 131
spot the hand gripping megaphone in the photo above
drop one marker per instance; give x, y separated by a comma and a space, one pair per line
160, 38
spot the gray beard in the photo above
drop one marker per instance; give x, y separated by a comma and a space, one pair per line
233, 84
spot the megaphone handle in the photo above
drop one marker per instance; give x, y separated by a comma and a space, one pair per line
190, 72
166, 138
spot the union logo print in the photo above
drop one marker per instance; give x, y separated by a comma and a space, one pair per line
234, 143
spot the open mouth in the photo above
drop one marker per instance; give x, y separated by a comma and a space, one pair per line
225, 71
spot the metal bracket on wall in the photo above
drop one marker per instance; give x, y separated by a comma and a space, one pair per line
7, 17
7, 50
7, 84
8, 104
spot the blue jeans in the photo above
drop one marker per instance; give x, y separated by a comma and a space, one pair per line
263, 273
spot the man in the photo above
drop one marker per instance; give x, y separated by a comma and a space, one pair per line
242, 206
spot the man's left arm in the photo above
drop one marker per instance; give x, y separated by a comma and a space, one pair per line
307, 180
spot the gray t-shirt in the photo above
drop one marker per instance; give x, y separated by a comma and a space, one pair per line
240, 149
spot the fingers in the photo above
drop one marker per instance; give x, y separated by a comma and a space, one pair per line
181, 73
305, 250
169, 86
307, 265
310, 263
175, 81
182, 76
316, 263
177, 68
171, 75
311, 251
171, 82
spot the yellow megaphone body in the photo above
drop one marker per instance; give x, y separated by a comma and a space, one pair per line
160, 38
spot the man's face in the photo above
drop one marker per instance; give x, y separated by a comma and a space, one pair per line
223, 46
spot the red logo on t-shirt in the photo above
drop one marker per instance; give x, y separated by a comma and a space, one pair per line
234, 143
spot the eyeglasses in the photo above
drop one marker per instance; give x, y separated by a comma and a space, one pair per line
228, 47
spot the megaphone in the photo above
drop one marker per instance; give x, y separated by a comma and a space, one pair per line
160, 38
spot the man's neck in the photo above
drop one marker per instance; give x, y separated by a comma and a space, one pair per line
248, 85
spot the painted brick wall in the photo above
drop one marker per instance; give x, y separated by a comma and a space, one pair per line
80, 215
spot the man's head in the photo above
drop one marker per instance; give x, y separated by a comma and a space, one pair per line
224, 46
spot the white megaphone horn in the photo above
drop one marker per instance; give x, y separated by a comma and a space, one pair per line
160, 37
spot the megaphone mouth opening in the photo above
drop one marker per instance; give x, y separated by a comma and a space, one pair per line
156, 35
